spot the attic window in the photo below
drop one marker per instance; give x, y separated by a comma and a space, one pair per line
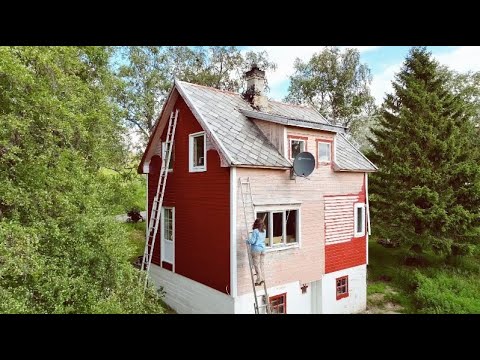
197, 152
296, 147
324, 152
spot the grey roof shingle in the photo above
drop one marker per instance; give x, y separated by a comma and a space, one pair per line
242, 140
243, 143
349, 158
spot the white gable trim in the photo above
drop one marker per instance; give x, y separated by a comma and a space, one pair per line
217, 143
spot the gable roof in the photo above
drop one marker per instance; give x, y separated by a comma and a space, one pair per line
225, 117
242, 141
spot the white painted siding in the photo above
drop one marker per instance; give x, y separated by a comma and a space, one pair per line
339, 217
357, 292
186, 296
297, 303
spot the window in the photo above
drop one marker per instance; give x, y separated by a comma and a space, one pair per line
197, 152
359, 220
168, 224
167, 249
324, 152
164, 149
281, 227
296, 147
278, 304
342, 287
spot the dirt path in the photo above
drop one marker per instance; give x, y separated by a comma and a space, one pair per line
377, 304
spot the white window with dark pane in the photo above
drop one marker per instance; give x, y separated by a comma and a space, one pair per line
197, 152
324, 152
168, 235
282, 227
164, 154
296, 147
359, 220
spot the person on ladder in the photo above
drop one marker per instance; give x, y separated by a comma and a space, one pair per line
257, 249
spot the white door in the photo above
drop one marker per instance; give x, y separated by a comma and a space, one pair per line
168, 236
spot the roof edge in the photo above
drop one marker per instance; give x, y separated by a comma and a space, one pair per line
203, 123
152, 134
279, 119
374, 166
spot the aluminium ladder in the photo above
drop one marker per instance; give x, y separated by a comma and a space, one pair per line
249, 214
156, 211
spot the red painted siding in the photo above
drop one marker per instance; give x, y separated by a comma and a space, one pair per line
349, 253
202, 209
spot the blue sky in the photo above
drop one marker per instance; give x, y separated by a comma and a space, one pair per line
383, 61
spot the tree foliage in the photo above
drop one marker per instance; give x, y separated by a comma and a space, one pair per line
427, 189
335, 83
59, 251
148, 73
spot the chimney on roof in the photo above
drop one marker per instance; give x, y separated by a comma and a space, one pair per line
255, 87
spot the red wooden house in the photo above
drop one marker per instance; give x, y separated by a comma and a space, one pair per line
317, 227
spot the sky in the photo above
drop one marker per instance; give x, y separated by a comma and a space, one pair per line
383, 61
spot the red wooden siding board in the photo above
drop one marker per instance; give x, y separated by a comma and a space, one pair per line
202, 209
344, 255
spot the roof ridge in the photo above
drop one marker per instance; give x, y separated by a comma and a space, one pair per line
210, 88
291, 104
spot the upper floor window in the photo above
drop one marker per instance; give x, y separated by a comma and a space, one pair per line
296, 147
197, 152
359, 220
324, 152
164, 149
281, 226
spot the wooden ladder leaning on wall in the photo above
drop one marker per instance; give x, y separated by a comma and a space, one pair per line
249, 215
156, 212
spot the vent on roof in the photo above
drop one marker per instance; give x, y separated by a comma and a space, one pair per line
254, 93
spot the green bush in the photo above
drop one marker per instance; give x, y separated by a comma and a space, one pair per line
447, 292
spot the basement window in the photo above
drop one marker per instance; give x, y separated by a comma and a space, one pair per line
342, 287
278, 304
197, 152
281, 227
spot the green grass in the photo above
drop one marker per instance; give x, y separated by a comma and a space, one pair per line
438, 285
136, 237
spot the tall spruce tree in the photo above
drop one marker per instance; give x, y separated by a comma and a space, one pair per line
427, 189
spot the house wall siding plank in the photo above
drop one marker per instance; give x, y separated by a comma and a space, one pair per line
202, 209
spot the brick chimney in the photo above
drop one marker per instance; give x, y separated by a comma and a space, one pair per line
255, 88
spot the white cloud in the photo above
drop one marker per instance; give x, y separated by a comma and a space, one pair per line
463, 58
284, 57
382, 82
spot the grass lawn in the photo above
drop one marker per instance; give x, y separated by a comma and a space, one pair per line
429, 284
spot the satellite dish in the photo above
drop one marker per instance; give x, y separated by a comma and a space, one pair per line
303, 164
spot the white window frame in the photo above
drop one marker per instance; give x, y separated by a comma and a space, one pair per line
162, 236
282, 209
191, 138
329, 152
355, 220
164, 144
300, 140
